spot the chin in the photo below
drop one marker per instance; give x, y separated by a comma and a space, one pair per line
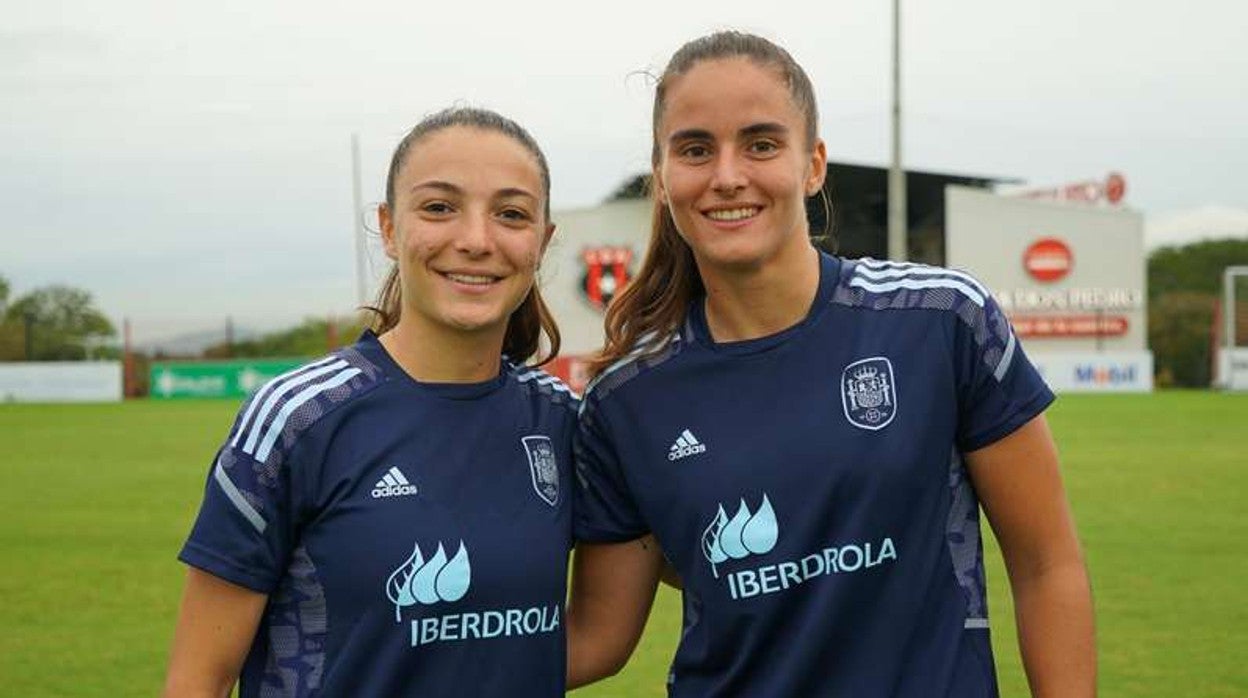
475, 325
473, 320
736, 256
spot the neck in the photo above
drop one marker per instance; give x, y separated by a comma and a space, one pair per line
434, 355
757, 302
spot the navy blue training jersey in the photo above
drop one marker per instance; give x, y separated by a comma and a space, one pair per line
809, 486
412, 537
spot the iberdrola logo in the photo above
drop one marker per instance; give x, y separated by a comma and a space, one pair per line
746, 533
428, 582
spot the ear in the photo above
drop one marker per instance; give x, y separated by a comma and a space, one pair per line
386, 219
656, 182
818, 168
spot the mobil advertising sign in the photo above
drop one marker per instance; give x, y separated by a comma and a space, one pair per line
1091, 372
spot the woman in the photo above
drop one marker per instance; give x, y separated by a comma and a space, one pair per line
394, 519
807, 439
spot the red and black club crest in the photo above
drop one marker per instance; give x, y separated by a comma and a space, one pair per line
606, 273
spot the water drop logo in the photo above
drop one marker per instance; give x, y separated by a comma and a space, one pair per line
428, 582
746, 533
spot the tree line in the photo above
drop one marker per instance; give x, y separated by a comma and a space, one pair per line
53, 323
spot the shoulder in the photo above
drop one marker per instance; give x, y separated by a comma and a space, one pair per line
543, 388
274, 418
948, 295
879, 285
648, 353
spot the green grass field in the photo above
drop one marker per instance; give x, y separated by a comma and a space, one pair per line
96, 500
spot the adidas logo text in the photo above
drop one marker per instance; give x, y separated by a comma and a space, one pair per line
393, 491
686, 445
393, 485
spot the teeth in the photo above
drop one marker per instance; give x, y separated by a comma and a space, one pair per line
733, 214
470, 279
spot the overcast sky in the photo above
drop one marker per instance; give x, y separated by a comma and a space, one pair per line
188, 161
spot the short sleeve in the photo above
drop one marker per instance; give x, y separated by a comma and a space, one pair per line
605, 511
244, 530
999, 390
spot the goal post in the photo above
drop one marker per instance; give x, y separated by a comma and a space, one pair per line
1232, 352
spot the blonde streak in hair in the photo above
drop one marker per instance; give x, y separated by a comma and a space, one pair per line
655, 301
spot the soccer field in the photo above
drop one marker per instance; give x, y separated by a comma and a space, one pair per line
96, 500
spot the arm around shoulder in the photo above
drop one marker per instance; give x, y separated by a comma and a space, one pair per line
613, 588
1019, 484
216, 625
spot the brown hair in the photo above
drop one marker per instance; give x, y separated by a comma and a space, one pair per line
653, 305
532, 319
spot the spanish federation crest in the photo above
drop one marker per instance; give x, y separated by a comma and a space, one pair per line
869, 393
543, 468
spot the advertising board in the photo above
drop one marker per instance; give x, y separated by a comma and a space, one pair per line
61, 381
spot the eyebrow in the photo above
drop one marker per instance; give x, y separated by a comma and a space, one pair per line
439, 185
453, 189
515, 191
764, 129
694, 134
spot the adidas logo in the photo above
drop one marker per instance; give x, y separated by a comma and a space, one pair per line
686, 445
393, 485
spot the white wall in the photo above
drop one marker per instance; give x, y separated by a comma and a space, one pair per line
61, 381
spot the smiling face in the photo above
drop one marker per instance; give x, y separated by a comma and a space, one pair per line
467, 229
734, 166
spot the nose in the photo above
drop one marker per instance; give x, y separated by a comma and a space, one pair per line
728, 176
474, 238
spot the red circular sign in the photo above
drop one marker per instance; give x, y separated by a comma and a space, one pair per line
1048, 260
1115, 188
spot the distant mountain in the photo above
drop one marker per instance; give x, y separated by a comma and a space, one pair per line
1194, 225
193, 343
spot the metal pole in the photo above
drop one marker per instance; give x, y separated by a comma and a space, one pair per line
896, 175
357, 213
1226, 362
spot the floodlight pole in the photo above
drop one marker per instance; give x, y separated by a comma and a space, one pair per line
896, 175
357, 213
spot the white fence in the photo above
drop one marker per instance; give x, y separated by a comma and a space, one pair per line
61, 381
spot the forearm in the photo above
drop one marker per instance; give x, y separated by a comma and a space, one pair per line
591, 656
1056, 632
612, 588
